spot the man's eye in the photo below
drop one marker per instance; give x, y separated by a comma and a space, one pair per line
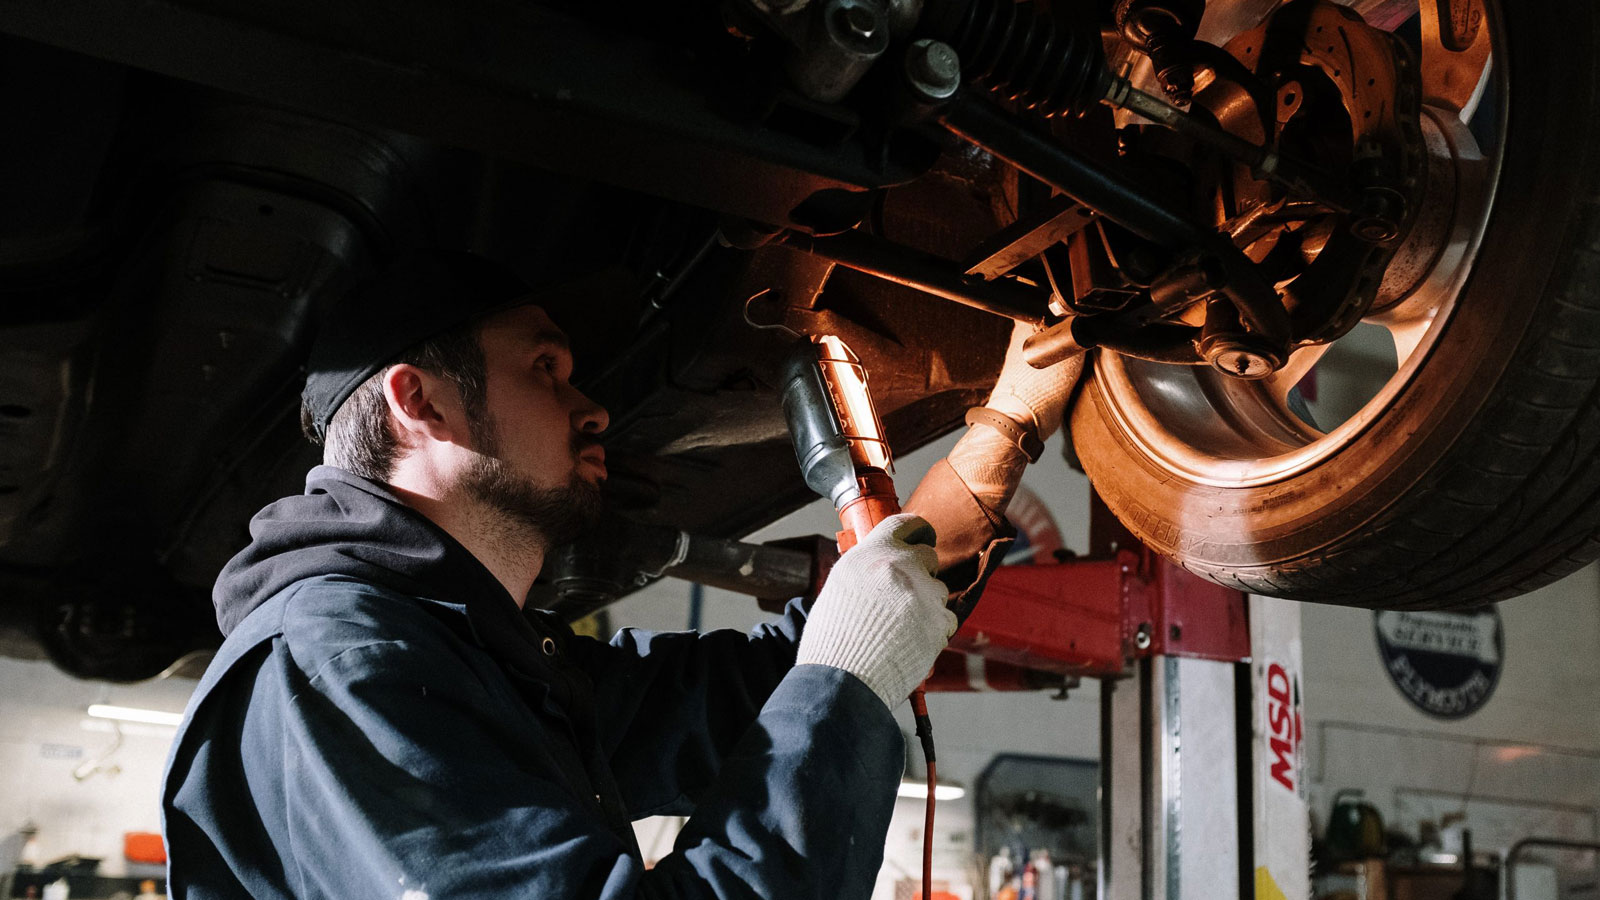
548, 363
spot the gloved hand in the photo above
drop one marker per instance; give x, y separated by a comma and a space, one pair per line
1024, 392
987, 462
881, 615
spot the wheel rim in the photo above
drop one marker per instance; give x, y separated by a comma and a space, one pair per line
1197, 424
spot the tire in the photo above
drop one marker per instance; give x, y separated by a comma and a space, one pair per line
1480, 479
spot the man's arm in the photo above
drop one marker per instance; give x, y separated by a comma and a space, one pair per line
405, 782
966, 494
721, 679
673, 704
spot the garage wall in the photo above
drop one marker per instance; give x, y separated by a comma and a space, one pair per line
48, 735
1528, 761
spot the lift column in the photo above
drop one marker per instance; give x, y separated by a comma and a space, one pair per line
1175, 798
1202, 795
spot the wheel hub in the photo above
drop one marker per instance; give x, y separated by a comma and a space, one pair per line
1238, 423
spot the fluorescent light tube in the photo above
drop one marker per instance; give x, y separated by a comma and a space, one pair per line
133, 714
917, 790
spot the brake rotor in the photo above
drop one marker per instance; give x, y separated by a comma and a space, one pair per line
1324, 87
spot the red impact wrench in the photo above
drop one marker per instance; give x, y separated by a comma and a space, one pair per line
844, 457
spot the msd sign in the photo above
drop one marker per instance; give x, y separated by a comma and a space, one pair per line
1278, 754
1284, 726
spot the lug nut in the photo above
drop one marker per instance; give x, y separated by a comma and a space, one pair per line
1378, 219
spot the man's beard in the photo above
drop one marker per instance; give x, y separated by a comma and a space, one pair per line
559, 515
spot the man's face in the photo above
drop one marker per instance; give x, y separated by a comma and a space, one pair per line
541, 460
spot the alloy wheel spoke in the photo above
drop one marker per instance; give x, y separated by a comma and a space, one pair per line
1300, 363
1407, 334
1455, 53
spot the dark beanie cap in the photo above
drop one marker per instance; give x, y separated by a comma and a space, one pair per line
419, 296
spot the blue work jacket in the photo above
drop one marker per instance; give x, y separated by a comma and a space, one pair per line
354, 740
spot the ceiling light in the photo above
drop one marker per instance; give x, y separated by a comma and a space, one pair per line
133, 714
918, 790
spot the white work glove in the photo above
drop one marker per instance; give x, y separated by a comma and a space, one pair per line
989, 463
1023, 392
881, 615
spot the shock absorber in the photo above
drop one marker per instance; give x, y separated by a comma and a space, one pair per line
1053, 64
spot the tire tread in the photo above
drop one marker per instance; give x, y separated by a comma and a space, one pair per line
1535, 501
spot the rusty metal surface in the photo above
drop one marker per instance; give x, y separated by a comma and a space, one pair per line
1365, 64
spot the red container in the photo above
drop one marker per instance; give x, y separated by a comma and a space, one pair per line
144, 847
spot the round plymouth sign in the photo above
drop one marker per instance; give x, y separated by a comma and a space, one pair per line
1445, 663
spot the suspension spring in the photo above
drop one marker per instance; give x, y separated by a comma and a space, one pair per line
1051, 64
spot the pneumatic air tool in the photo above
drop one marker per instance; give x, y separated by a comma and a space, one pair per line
843, 456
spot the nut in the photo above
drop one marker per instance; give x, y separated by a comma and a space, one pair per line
1239, 356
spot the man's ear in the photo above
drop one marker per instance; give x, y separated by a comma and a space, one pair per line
423, 405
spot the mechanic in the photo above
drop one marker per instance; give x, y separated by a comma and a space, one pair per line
385, 720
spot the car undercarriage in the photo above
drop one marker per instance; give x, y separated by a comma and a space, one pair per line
1204, 197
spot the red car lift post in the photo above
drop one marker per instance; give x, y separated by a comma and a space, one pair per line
1201, 791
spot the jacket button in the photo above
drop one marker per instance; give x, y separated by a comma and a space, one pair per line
549, 646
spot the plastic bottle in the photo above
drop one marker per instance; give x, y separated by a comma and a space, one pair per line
1044, 875
999, 871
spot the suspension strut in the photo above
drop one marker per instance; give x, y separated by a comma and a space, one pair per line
1055, 65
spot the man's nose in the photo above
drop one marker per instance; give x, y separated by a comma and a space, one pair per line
588, 416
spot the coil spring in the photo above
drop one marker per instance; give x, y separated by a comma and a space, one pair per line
1053, 65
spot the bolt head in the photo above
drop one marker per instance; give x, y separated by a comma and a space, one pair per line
856, 20
933, 68
936, 61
